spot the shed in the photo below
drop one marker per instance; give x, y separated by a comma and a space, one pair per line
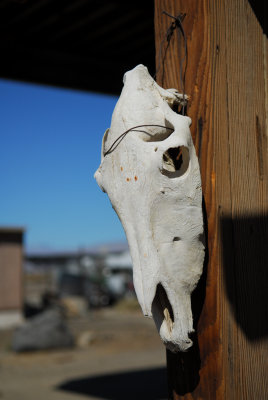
11, 259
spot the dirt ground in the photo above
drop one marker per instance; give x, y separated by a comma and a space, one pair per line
118, 355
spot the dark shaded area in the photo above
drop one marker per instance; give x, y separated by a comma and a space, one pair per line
10, 235
30, 310
147, 384
175, 154
161, 302
245, 257
162, 312
198, 295
49, 299
260, 9
200, 125
183, 368
79, 44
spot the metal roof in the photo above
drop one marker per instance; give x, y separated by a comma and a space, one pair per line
82, 44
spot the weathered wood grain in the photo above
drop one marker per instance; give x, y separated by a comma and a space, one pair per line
246, 122
198, 86
227, 80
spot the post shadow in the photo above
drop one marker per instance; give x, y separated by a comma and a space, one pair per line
260, 9
245, 264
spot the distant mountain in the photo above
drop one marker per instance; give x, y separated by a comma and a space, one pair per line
102, 248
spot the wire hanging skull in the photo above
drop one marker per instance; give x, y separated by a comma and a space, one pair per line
150, 172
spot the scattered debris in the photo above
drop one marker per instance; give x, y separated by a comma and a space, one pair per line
45, 331
85, 339
74, 306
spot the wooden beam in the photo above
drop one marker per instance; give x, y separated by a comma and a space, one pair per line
226, 82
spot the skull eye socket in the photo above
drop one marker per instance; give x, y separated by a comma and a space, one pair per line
175, 161
157, 133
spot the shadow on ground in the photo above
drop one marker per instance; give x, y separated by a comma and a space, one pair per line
146, 384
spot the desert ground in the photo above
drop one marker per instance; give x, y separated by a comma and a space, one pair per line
118, 355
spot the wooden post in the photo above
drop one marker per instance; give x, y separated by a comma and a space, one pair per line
226, 79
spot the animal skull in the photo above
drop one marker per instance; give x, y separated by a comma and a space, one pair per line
151, 175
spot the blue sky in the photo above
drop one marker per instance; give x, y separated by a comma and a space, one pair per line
50, 143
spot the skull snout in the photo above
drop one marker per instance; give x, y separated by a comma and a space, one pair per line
168, 323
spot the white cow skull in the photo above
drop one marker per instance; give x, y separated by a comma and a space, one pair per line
151, 175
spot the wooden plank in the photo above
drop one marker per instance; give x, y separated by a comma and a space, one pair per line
246, 257
226, 81
199, 87
11, 276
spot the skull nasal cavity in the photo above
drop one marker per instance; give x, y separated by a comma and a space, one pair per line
175, 161
162, 309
